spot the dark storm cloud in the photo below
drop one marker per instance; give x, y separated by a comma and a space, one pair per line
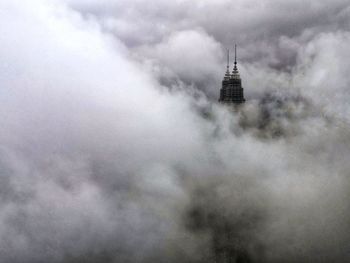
111, 151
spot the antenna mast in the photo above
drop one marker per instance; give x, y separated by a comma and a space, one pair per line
235, 54
228, 59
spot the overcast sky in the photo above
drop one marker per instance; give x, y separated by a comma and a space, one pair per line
113, 147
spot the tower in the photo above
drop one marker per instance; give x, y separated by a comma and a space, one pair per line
232, 91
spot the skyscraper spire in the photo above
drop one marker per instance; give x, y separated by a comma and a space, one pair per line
228, 59
235, 73
235, 56
227, 74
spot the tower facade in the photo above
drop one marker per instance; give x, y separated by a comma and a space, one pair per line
231, 90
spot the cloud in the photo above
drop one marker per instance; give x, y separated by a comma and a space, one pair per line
200, 66
114, 150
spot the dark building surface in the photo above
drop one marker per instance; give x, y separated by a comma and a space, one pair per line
232, 91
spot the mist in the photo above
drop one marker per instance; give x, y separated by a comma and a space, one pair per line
113, 147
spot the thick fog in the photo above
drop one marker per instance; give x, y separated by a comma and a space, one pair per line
113, 147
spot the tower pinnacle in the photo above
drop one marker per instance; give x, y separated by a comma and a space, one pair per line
228, 59
235, 55
235, 73
227, 74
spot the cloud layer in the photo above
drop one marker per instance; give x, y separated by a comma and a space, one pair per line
113, 148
